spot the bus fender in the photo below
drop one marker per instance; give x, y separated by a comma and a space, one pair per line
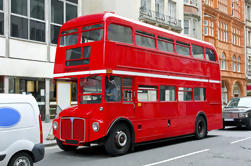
128, 122
201, 113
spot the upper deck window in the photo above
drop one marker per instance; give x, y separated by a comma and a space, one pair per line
74, 56
210, 55
182, 48
92, 33
197, 52
165, 44
69, 37
145, 39
120, 33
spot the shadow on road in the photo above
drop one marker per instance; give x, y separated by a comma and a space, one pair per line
99, 151
235, 129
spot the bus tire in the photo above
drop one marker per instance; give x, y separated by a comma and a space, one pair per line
65, 147
200, 128
118, 141
21, 158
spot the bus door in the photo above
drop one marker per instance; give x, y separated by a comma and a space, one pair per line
145, 112
119, 96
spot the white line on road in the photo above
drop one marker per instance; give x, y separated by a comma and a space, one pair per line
240, 140
178, 157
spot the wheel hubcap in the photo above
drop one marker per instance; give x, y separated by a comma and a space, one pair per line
121, 138
22, 161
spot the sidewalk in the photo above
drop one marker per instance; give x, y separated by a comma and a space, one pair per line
46, 131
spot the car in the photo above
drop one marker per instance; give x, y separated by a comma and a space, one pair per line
21, 137
237, 112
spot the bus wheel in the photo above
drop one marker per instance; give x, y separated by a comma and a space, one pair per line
200, 128
65, 147
118, 141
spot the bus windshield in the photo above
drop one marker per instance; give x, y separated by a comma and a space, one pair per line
90, 90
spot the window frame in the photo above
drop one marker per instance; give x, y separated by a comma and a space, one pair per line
3, 12
29, 19
65, 2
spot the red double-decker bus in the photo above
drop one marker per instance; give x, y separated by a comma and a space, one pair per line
136, 83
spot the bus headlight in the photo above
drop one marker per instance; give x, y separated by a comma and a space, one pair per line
95, 126
243, 114
55, 125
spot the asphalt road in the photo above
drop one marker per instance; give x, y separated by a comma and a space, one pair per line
230, 147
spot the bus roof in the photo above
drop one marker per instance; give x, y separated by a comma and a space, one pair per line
103, 16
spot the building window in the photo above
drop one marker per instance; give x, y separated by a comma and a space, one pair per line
28, 20
249, 64
1, 18
249, 38
172, 9
236, 8
190, 2
159, 8
194, 27
186, 27
248, 12
61, 11
222, 32
208, 28
238, 64
222, 4
234, 63
223, 61
146, 5
236, 36
209, 2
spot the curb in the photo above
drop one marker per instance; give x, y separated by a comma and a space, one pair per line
50, 144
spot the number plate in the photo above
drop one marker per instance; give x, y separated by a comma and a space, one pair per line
228, 119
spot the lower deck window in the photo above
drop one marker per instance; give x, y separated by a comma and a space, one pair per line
147, 93
185, 94
199, 94
167, 93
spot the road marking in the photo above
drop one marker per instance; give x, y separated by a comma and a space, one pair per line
240, 140
178, 157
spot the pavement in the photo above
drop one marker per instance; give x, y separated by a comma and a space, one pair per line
47, 134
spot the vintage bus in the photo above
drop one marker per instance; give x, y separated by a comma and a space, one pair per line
136, 82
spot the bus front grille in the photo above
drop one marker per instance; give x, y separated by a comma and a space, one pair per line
73, 128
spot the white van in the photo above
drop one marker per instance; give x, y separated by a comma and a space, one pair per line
21, 138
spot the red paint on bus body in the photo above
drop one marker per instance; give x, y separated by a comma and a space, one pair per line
150, 120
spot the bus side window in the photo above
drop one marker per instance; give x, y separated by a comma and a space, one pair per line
210, 55
197, 52
185, 94
127, 89
120, 33
147, 93
113, 89
182, 48
167, 93
145, 39
199, 94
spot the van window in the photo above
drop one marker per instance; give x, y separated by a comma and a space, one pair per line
145, 39
165, 44
147, 93
182, 48
120, 33
197, 52
210, 55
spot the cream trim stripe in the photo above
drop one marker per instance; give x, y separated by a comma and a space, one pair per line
137, 74
80, 73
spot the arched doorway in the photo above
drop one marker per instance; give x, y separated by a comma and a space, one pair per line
224, 94
237, 90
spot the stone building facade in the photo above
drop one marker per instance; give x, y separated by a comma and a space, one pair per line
223, 26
